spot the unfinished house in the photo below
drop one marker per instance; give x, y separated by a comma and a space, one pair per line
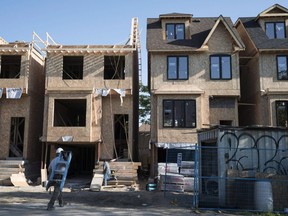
264, 68
193, 74
91, 103
21, 108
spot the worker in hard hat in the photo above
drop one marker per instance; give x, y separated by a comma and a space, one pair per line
57, 193
106, 172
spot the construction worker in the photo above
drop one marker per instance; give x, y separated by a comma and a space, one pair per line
57, 193
106, 172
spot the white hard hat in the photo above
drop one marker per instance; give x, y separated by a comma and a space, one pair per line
59, 150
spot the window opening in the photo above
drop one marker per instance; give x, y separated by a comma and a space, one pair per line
177, 67
175, 31
114, 67
72, 67
220, 67
10, 66
282, 113
282, 68
179, 113
16, 137
275, 30
70, 113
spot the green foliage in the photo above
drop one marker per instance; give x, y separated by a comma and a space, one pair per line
144, 105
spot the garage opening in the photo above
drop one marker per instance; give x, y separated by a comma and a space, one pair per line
70, 113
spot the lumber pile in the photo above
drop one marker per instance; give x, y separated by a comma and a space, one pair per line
172, 177
124, 173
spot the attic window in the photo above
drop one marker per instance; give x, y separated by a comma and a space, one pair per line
175, 31
10, 66
275, 30
72, 67
114, 67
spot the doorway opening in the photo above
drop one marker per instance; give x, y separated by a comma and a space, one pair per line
121, 125
17, 137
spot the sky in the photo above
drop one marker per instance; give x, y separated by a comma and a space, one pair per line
106, 22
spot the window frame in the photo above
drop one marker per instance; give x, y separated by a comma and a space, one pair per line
277, 67
178, 67
185, 118
220, 56
175, 31
277, 114
274, 29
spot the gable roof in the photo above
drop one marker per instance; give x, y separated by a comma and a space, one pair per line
274, 11
200, 29
257, 34
231, 30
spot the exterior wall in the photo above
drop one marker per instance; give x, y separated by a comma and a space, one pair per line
29, 106
80, 134
223, 109
93, 73
12, 108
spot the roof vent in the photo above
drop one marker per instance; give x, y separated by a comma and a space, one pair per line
196, 20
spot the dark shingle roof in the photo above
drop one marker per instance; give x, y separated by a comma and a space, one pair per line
258, 36
199, 29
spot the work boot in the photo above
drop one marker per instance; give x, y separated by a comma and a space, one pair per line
50, 208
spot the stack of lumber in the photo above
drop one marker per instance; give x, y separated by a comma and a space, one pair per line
125, 174
9, 167
172, 177
172, 182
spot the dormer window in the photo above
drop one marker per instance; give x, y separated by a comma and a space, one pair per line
175, 31
275, 30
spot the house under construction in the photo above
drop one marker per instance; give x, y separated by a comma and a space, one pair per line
91, 102
22, 81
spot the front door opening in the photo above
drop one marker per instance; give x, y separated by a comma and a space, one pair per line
16, 137
121, 136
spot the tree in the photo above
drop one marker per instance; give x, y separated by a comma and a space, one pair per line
144, 105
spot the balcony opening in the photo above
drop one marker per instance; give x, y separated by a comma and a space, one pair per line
16, 137
10, 66
70, 113
72, 67
114, 67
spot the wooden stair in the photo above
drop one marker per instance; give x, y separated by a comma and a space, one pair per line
9, 167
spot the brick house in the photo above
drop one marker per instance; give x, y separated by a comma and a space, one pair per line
193, 75
263, 68
21, 106
91, 92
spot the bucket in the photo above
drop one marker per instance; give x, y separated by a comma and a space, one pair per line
263, 196
151, 186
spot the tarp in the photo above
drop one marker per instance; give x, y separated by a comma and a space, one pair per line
188, 146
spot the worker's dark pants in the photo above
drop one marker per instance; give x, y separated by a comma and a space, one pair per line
57, 194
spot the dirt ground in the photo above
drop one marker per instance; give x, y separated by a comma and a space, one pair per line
134, 200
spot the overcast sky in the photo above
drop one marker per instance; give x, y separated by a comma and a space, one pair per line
104, 22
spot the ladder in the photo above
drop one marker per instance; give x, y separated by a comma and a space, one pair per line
60, 170
135, 42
